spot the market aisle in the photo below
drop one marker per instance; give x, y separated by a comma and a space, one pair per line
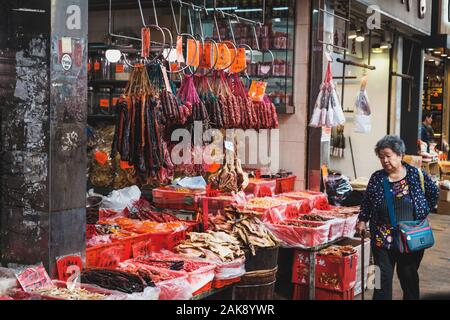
435, 268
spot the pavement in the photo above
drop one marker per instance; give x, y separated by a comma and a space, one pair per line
434, 272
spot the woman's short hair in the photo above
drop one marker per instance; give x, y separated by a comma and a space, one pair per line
392, 142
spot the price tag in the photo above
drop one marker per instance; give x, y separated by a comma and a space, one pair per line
224, 56
166, 78
120, 68
145, 35
89, 66
180, 57
229, 145
97, 66
257, 90
64, 265
32, 279
240, 63
205, 55
124, 165
114, 101
101, 157
193, 48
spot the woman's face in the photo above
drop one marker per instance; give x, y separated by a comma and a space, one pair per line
389, 159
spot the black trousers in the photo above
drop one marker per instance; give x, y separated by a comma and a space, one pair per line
407, 272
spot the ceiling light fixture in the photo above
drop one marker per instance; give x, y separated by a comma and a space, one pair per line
352, 34
113, 55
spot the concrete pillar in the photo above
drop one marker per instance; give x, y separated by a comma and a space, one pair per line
43, 51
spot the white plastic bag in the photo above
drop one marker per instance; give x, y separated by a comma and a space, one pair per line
150, 293
363, 123
120, 199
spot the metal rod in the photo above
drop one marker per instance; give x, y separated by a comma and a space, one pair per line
334, 15
201, 8
353, 157
346, 78
345, 55
352, 63
401, 75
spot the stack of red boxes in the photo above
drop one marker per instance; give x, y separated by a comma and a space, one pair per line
335, 276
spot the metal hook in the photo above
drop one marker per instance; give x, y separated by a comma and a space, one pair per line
174, 18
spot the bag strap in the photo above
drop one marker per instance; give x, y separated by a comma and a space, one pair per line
422, 180
390, 201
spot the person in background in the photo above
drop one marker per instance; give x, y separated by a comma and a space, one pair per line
411, 202
426, 130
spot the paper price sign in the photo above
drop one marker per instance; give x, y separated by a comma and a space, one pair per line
193, 53
180, 57
224, 56
206, 55
257, 90
240, 63
34, 278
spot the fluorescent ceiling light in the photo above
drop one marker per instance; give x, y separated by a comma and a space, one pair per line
222, 8
113, 55
276, 20
248, 10
385, 45
431, 60
360, 38
281, 9
444, 55
29, 10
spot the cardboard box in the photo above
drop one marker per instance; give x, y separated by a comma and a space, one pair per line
356, 243
444, 208
444, 195
415, 161
445, 177
432, 168
445, 166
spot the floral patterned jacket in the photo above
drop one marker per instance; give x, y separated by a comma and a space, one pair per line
374, 196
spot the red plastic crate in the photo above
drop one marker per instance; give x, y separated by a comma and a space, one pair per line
204, 289
107, 256
341, 269
261, 187
285, 184
169, 198
217, 284
301, 292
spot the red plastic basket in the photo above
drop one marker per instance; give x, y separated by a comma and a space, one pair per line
285, 184
341, 269
169, 198
204, 289
301, 292
217, 284
107, 256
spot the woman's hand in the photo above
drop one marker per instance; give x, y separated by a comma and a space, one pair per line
361, 228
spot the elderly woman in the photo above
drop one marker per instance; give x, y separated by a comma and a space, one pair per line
413, 196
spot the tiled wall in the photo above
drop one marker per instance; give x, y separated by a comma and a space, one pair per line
293, 127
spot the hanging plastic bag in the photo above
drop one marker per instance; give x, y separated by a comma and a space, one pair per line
363, 118
328, 110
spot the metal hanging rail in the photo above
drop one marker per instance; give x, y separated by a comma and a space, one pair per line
203, 8
402, 75
352, 63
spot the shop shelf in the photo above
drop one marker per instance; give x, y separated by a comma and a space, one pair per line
107, 83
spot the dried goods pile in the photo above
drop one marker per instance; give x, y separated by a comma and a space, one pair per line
214, 246
115, 280
72, 294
